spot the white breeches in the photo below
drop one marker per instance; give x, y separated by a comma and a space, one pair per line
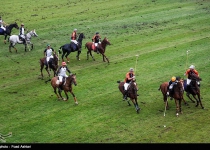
48, 58
189, 80
126, 86
3, 28
75, 41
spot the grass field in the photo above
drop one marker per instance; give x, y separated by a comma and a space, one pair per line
160, 32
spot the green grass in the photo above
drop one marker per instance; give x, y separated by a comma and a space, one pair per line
160, 32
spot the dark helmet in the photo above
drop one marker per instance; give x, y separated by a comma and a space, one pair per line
97, 32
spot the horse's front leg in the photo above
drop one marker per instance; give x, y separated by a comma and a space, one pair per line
75, 99
177, 107
67, 97
5, 37
78, 53
104, 56
188, 95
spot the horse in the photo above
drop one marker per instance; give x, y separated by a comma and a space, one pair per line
132, 93
8, 30
14, 39
193, 90
67, 87
177, 94
53, 64
101, 48
164, 88
72, 47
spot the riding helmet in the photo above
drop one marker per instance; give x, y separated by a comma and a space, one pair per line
97, 32
131, 69
22, 24
173, 79
75, 29
63, 63
192, 67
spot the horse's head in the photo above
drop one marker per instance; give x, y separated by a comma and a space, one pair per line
73, 79
106, 41
34, 33
16, 25
195, 77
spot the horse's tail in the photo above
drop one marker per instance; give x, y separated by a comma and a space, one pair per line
159, 88
60, 49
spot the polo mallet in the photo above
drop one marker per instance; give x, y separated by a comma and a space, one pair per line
187, 60
58, 59
136, 62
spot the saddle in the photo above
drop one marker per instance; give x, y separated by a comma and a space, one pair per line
74, 46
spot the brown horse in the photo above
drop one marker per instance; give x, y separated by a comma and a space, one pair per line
67, 87
194, 90
177, 94
53, 64
101, 49
132, 93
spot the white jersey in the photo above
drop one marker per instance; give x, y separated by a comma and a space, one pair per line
1, 22
62, 72
49, 52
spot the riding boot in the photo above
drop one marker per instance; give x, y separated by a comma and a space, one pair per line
60, 86
170, 91
97, 50
125, 95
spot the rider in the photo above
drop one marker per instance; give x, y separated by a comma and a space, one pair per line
2, 24
62, 74
171, 83
96, 40
128, 78
21, 33
188, 73
48, 53
74, 36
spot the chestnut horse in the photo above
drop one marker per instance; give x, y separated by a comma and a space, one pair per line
177, 94
67, 87
132, 93
53, 64
101, 49
194, 90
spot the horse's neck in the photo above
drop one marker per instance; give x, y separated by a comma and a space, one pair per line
103, 44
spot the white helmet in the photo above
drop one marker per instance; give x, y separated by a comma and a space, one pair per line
75, 29
131, 69
192, 67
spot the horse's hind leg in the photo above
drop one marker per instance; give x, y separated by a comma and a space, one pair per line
91, 55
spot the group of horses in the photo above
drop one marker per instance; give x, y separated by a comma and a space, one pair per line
65, 50
178, 93
14, 39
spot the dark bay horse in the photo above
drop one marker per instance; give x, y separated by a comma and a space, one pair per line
8, 30
53, 64
194, 90
177, 94
132, 93
101, 49
164, 89
72, 47
67, 87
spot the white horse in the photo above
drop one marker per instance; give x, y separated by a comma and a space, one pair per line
14, 39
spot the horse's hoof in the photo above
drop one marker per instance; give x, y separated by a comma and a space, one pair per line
76, 103
177, 114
